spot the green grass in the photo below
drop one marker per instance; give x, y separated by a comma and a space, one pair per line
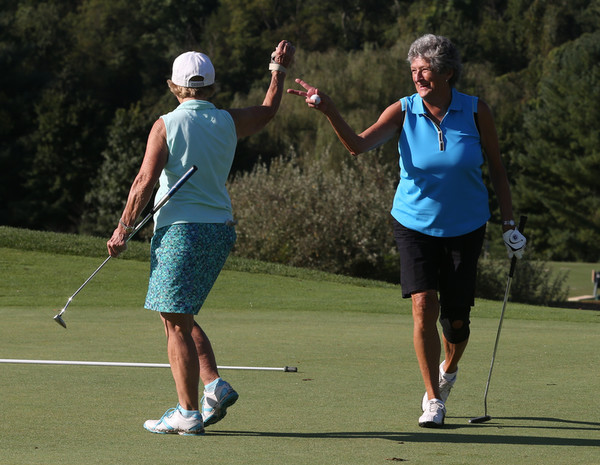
355, 399
579, 279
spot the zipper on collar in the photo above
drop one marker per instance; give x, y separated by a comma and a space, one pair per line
439, 132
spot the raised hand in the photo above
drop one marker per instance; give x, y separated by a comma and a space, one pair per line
313, 97
283, 54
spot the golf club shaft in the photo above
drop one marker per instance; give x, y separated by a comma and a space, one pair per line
487, 384
511, 273
138, 227
163, 200
83, 285
156, 207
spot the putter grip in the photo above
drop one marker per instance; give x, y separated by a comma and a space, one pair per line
175, 188
521, 228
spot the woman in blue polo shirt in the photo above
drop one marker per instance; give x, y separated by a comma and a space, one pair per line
194, 231
440, 209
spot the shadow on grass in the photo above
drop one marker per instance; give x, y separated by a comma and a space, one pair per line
577, 425
447, 434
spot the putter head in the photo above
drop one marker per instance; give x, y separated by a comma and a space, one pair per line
60, 321
482, 419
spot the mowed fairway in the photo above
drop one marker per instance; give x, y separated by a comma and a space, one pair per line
355, 399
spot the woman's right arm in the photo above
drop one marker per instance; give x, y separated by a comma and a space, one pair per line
141, 190
387, 125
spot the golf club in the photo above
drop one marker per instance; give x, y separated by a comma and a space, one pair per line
287, 369
513, 265
58, 318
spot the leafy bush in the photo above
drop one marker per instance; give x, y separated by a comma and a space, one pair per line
536, 284
491, 279
310, 216
533, 282
338, 221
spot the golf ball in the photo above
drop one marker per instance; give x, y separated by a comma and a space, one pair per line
314, 98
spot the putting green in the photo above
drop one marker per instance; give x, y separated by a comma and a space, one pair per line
354, 400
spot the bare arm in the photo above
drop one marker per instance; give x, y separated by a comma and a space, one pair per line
250, 120
389, 122
141, 190
498, 176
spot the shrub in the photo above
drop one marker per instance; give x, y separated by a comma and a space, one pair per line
532, 282
491, 279
536, 284
315, 216
336, 219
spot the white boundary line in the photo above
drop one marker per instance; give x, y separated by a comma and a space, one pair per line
128, 364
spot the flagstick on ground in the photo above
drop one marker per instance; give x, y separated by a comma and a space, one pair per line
130, 364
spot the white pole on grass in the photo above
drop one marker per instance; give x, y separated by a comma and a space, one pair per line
130, 364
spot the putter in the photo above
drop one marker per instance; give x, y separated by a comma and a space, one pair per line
58, 318
513, 265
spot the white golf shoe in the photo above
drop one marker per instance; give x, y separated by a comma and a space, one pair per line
433, 415
446, 383
174, 422
215, 403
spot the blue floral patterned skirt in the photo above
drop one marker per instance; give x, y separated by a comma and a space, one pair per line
185, 261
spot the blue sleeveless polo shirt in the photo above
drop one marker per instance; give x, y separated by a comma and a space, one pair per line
197, 134
441, 191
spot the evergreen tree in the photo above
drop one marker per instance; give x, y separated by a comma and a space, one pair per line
121, 160
560, 166
82, 81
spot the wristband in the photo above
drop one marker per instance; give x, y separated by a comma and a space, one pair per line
128, 229
277, 67
274, 66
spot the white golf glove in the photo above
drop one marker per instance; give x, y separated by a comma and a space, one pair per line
514, 242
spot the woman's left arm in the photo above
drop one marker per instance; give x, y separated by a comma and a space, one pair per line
491, 148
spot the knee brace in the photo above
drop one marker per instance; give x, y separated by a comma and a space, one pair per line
455, 324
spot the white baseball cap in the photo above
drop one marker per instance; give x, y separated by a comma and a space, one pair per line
190, 65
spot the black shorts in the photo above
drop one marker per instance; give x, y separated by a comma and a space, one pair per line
445, 264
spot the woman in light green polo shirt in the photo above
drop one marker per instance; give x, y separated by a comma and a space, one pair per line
194, 231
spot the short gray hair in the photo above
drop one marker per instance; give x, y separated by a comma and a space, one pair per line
440, 52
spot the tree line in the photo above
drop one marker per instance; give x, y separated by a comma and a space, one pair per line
83, 80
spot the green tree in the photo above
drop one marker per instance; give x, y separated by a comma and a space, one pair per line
64, 161
360, 95
559, 167
82, 77
121, 161
33, 37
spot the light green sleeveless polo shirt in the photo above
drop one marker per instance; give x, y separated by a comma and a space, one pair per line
197, 134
